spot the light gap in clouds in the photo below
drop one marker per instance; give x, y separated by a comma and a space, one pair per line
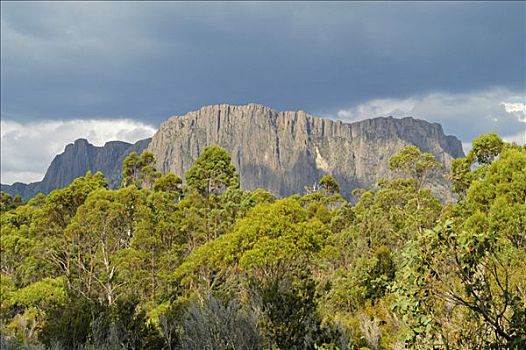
465, 115
28, 148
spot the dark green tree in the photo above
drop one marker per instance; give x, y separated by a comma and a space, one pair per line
212, 172
169, 183
139, 171
329, 185
68, 325
486, 147
7, 202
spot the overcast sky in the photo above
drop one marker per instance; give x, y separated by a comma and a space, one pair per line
103, 70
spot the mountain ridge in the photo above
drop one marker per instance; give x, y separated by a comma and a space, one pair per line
285, 151
281, 151
76, 159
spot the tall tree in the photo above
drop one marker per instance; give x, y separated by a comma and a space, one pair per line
102, 228
212, 172
412, 163
329, 185
139, 171
57, 213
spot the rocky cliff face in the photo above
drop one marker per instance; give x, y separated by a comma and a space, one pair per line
75, 161
279, 151
285, 151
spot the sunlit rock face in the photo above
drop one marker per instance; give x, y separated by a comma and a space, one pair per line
285, 151
278, 151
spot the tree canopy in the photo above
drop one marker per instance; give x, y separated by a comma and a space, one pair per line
162, 264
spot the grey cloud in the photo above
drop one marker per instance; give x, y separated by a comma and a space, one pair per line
153, 59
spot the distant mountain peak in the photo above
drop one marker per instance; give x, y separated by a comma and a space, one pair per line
79, 157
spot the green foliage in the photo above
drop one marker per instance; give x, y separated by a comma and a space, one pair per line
329, 184
290, 319
68, 325
475, 261
162, 265
124, 325
103, 227
411, 162
8, 203
270, 238
212, 172
487, 147
40, 294
82, 323
461, 175
139, 171
157, 242
169, 183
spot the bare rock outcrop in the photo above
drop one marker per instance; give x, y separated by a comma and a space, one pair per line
285, 151
279, 151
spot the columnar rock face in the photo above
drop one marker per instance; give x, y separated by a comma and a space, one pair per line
285, 151
75, 161
279, 151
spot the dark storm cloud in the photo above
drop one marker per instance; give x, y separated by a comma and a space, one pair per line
151, 60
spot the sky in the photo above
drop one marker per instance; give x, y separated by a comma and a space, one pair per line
116, 70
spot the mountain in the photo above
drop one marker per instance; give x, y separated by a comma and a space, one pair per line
75, 161
279, 151
285, 151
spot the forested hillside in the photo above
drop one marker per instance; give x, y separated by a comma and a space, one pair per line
162, 263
